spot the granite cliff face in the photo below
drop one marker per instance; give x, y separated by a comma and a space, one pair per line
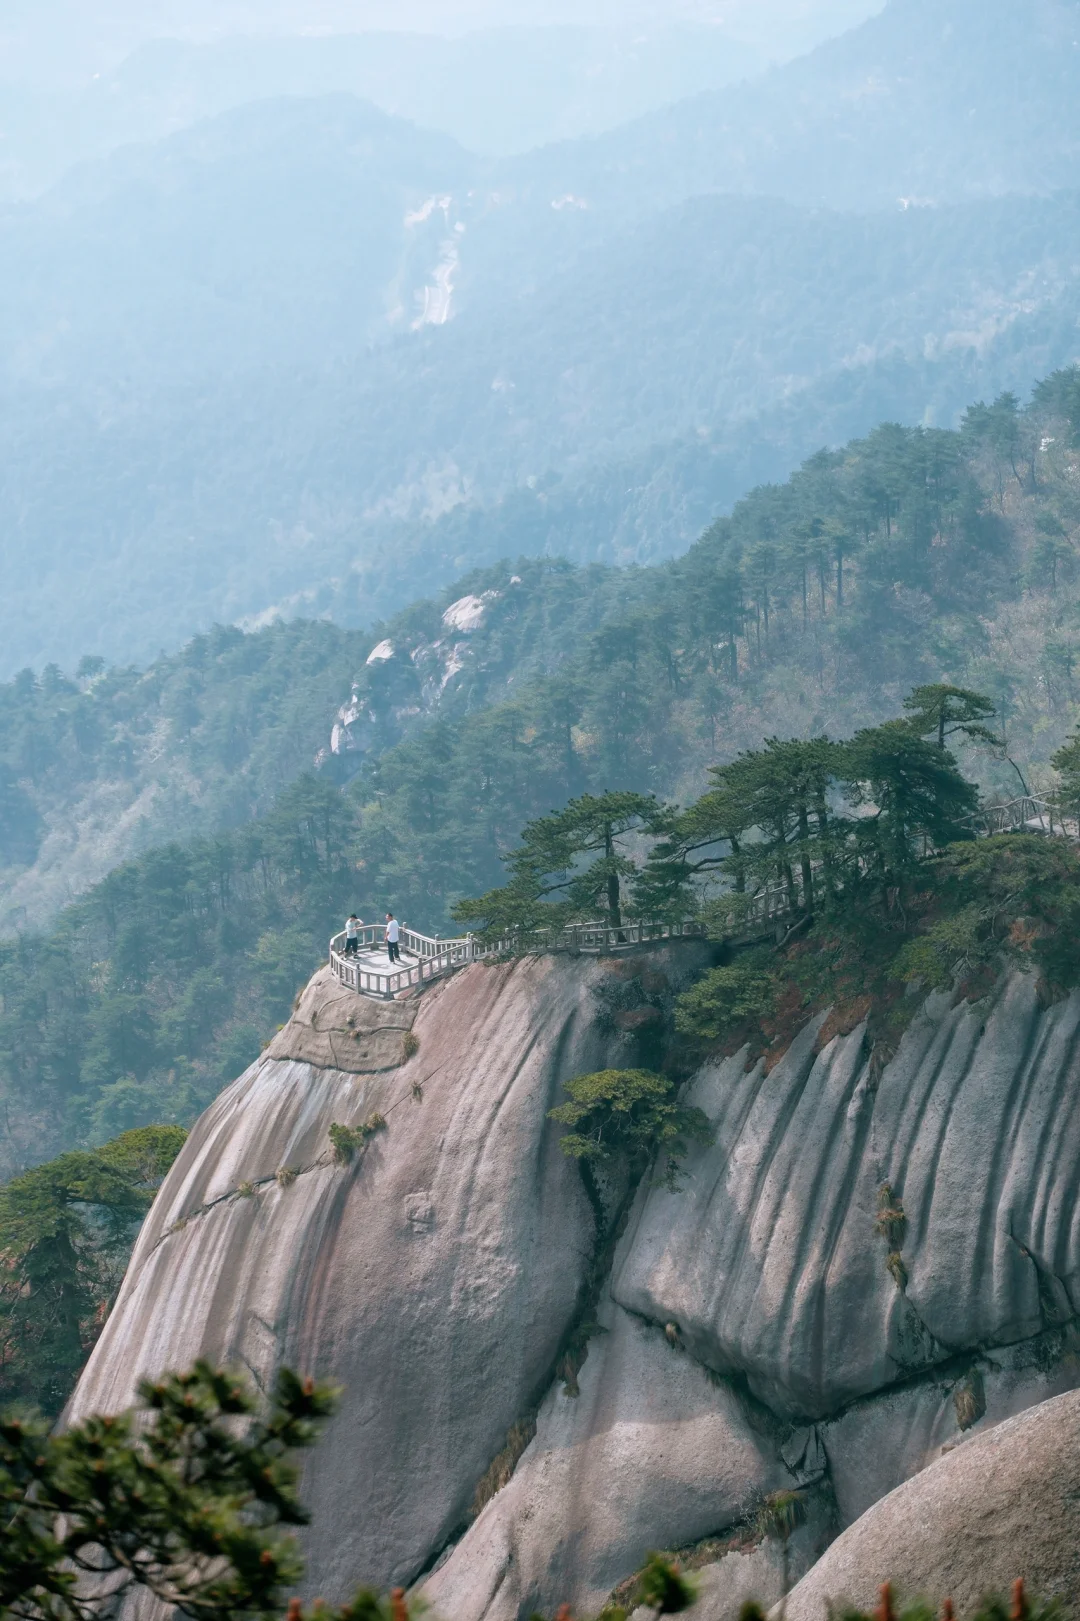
435, 1278
1001, 1505
852, 1350
872, 1264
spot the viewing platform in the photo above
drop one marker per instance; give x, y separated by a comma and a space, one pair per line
767, 911
369, 971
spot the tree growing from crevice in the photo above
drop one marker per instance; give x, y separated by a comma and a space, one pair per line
633, 1114
725, 998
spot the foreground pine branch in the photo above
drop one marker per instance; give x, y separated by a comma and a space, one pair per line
188, 1498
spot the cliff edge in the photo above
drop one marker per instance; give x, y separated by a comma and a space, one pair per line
434, 1276
871, 1266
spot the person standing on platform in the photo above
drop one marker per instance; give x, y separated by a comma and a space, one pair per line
352, 935
393, 935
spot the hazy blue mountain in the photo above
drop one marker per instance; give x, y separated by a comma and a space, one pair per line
309, 233
278, 233
305, 355
217, 404
499, 90
61, 44
932, 100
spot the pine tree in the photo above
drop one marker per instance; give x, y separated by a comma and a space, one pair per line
942, 711
66, 1230
187, 1499
570, 864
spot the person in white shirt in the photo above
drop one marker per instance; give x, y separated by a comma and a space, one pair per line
393, 935
352, 935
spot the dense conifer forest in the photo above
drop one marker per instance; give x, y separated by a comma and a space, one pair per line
911, 556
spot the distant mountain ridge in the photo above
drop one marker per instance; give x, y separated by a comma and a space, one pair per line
931, 101
297, 357
232, 434
498, 90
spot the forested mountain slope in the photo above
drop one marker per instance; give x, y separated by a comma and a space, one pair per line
931, 100
292, 462
253, 366
913, 555
104, 763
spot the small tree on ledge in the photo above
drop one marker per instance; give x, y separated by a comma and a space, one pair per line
629, 1112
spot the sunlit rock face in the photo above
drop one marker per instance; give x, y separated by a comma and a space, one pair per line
875, 1262
848, 1347
433, 1278
1000, 1505
779, 1262
649, 1453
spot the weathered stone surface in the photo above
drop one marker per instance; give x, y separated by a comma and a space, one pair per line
436, 1277
334, 1028
1000, 1505
725, 1587
770, 1261
762, 1572
882, 1441
433, 1278
651, 1454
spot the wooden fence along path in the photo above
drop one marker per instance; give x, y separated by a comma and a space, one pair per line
423, 959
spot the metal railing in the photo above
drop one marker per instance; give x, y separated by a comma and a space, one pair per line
430, 959
765, 906
578, 937
1029, 811
433, 957
774, 904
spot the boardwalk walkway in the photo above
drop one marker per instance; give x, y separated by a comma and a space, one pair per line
424, 958
1028, 814
769, 911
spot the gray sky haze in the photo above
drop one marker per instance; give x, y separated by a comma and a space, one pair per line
55, 42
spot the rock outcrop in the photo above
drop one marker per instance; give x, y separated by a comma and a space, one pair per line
875, 1262
856, 1342
999, 1506
434, 1278
332, 1028
651, 1453
779, 1263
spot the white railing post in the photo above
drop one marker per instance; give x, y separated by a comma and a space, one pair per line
435, 956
